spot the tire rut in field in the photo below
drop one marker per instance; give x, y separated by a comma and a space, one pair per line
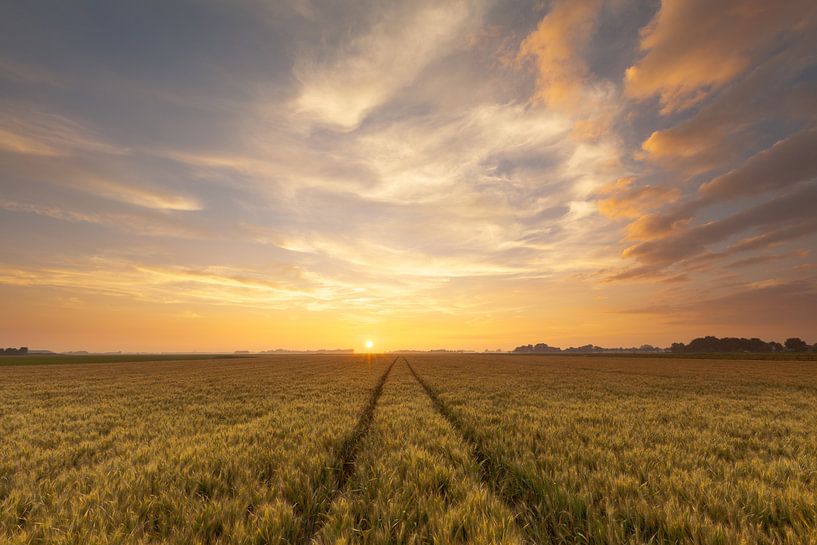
533, 502
344, 463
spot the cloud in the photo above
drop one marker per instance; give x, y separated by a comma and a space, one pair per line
736, 119
19, 143
98, 177
139, 195
786, 163
695, 47
423, 158
371, 67
709, 260
656, 225
29, 131
767, 259
145, 223
460, 177
625, 201
775, 237
772, 307
558, 45
393, 158
214, 285
55, 212
793, 208
692, 151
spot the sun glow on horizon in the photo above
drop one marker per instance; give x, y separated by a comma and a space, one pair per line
369, 345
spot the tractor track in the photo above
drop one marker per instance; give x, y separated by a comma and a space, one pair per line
344, 463
520, 494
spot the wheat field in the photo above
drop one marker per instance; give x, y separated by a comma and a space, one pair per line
426, 448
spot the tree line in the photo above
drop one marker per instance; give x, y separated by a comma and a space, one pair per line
711, 344
700, 345
22, 351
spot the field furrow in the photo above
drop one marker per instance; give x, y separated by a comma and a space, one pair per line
185, 452
343, 465
620, 458
537, 505
416, 481
449, 448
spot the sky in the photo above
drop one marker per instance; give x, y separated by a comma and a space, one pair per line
249, 175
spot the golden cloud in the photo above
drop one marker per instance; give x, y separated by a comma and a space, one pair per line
697, 46
625, 201
557, 45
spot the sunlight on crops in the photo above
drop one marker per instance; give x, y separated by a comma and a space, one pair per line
423, 449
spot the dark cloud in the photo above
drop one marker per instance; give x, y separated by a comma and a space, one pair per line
794, 209
766, 259
771, 308
788, 162
777, 95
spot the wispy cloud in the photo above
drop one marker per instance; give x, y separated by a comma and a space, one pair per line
29, 131
362, 73
487, 168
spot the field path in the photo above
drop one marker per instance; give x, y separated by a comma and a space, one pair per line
537, 505
416, 481
344, 461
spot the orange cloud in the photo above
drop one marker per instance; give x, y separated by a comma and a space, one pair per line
787, 163
557, 45
27, 131
25, 145
692, 149
790, 210
625, 201
651, 226
696, 46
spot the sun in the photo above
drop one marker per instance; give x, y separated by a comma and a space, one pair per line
369, 345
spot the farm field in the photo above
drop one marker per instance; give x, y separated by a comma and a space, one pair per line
73, 359
421, 448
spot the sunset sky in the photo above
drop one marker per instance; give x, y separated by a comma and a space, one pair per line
252, 175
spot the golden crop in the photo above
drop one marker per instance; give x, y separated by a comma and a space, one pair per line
434, 449
229, 451
622, 450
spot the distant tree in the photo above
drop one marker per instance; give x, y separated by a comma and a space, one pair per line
584, 349
703, 345
795, 344
756, 345
710, 344
814, 348
542, 347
